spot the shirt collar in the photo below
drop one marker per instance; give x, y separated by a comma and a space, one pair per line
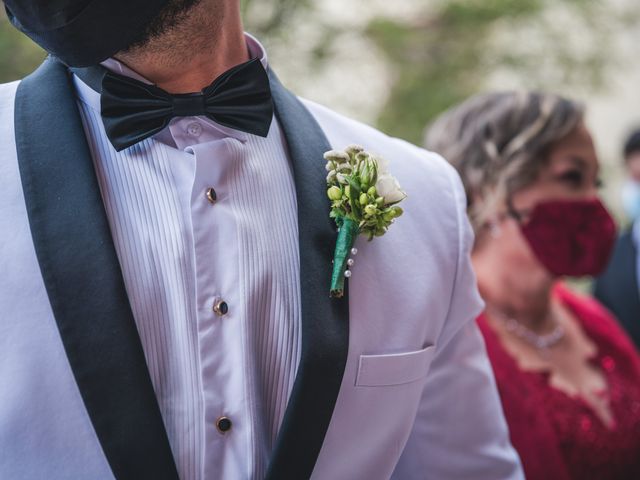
92, 98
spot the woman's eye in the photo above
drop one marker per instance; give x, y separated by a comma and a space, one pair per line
574, 177
599, 183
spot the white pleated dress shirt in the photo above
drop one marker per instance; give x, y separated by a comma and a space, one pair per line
184, 248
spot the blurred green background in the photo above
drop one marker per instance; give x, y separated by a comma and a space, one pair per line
399, 64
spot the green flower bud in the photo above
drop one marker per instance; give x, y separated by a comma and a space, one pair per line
388, 216
334, 193
365, 177
370, 209
397, 211
364, 199
380, 201
372, 192
347, 191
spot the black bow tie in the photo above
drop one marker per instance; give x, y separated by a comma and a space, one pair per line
133, 111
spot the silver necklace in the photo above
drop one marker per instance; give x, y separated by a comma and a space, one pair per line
536, 340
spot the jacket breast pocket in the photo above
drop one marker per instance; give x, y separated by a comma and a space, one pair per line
395, 368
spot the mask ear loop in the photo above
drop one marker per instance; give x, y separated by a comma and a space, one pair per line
493, 226
519, 216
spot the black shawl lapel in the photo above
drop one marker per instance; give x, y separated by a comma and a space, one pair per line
325, 321
82, 276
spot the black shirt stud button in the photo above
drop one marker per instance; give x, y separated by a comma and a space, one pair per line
223, 424
211, 194
220, 308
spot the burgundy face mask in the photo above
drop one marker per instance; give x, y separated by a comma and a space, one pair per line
571, 237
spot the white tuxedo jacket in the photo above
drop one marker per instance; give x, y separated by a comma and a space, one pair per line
393, 380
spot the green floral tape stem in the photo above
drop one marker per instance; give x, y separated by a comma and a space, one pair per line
346, 239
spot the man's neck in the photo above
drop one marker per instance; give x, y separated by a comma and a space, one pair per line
200, 62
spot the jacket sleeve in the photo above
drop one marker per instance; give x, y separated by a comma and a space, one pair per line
460, 431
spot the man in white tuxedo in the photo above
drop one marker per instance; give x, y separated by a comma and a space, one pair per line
166, 258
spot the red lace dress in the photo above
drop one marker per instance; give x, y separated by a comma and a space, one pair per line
559, 437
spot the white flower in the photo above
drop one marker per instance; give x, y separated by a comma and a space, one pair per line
383, 164
337, 157
389, 189
354, 149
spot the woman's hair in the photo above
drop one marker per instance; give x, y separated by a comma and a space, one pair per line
499, 141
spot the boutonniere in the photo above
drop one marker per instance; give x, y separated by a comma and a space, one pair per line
364, 198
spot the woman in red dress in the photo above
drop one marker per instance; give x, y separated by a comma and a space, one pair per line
568, 376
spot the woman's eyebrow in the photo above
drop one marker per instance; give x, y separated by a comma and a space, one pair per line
577, 159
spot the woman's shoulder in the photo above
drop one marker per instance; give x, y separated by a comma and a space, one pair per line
599, 324
587, 310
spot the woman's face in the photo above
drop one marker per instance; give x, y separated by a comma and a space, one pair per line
571, 173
